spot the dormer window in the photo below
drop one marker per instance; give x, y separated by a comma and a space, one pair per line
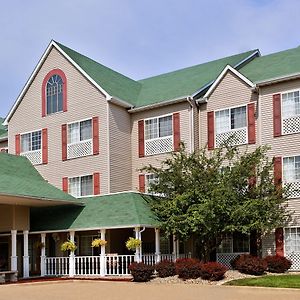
54, 93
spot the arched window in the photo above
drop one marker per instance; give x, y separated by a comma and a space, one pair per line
54, 98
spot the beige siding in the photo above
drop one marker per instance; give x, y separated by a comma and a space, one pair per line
14, 217
286, 145
230, 92
84, 101
120, 149
138, 163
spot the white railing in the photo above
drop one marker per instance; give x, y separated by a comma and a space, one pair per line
149, 259
118, 264
87, 265
294, 257
34, 156
56, 266
226, 258
80, 149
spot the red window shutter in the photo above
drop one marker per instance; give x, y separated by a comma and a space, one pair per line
18, 144
95, 135
251, 123
142, 183
45, 146
176, 131
279, 241
211, 130
64, 141
65, 184
96, 177
278, 171
277, 115
141, 138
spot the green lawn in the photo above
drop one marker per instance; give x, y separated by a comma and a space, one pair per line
280, 281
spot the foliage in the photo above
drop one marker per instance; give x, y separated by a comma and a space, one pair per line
98, 243
249, 264
68, 246
280, 281
277, 264
39, 245
188, 268
165, 268
211, 193
213, 271
132, 243
141, 272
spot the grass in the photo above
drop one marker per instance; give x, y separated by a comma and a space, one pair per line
278, 281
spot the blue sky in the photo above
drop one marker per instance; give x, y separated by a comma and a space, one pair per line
139, 38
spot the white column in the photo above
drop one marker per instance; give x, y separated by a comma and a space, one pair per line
174, 247
43, 254
102, 255
25, 256
177, 248
72, 256
137, 250
157, 245
14, 258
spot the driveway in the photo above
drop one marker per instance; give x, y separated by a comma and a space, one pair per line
90, 290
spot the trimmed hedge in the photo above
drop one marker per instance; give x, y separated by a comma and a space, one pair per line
213, 271
165, 268
188, 268
141, 272
249, 264
277, 264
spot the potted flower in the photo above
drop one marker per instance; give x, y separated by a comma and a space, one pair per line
68, 246
133, 244
98, 243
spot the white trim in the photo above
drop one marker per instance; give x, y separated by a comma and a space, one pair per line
37, 68
120, 102
278, 79
108, 146
222, 75
80, 176
159, 104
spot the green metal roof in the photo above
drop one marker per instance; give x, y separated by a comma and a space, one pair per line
169, 86
3, 129
18, 177
108, 211
272, 66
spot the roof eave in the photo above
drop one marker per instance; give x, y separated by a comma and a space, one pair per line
159, 104
120, 102
278, 79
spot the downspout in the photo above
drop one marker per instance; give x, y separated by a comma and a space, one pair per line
192, 135
140, 238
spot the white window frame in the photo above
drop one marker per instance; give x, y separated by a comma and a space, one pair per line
80, 187
285, 236
281, 108
29, 154
147, 182
229, 121
159, 138
284, 181
80, 143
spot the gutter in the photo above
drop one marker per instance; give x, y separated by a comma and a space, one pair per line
192, 140
120, 102
160, 104
278, 79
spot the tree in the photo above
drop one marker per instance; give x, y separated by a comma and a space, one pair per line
209, 194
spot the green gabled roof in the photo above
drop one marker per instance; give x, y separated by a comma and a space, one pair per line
169, 86
185, 82
108, 211
272, 66
18, 177
3, 130
114, 83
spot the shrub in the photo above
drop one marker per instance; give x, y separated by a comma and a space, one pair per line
249, 264
277, 264
141, 272
188, 268
165, 268
213, 271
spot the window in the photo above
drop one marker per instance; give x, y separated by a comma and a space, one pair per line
81, 186
292, 239
231, 123
31, 146
54, 94
80, 141
291, 175
234, 243
290, 112
158, 135
150, 179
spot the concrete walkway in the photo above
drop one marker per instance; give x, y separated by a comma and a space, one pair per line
92, 290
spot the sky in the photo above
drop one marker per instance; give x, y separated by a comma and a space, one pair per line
139, 38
